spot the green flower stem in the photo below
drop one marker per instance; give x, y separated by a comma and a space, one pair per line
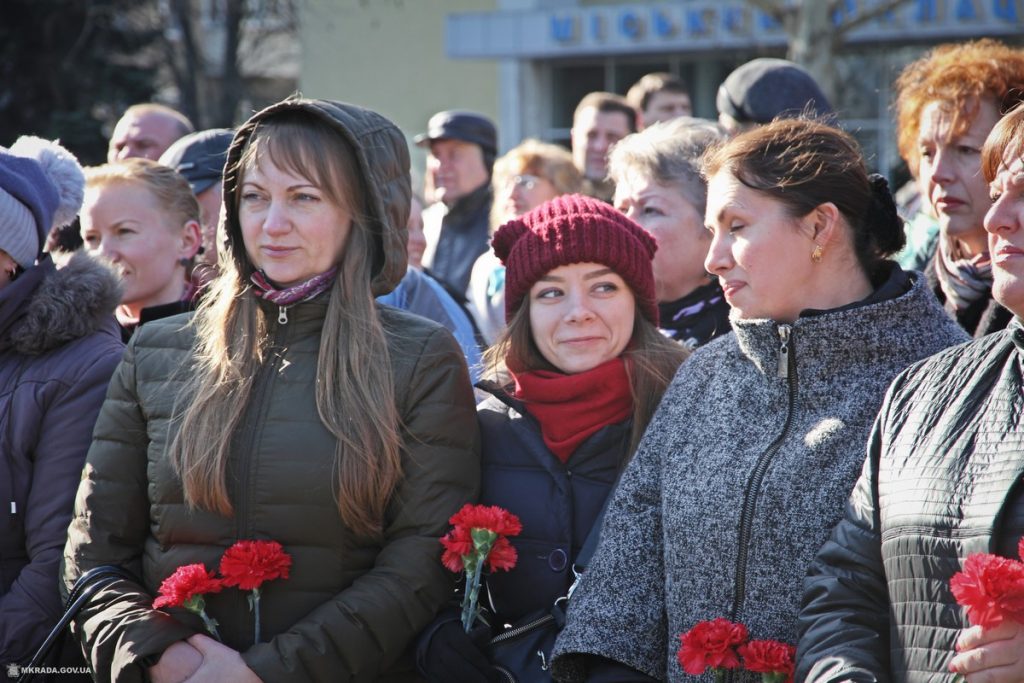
211, 624
472, 594
197, 605
256, 612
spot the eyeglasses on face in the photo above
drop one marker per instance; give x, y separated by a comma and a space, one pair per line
525, 181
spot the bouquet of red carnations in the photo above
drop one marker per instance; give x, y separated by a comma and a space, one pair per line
720, 645
246, 564
479, 536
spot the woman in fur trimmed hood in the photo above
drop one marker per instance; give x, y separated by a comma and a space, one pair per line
59, 345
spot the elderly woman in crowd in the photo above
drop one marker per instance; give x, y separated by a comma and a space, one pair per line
59, 345
947, 103
742, 472
579, 372
658, 184
524, 178
291, 408
143, 218
942, 480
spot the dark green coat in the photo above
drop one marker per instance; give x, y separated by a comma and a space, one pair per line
350, 607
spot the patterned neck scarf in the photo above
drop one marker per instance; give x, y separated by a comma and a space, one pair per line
963, 280
304, 291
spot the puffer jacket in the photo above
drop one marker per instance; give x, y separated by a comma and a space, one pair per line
557, 503
739, 479
942, 480
351, 605
59, 345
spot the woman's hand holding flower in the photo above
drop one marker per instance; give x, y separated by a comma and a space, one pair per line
176, 664
220, 663
991, 655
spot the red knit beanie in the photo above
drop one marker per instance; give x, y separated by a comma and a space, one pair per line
575, 229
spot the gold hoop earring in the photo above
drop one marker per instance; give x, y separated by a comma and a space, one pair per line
817, 253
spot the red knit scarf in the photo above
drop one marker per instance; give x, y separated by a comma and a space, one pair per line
571, 408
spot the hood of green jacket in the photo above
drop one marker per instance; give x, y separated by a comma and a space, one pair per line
382, 155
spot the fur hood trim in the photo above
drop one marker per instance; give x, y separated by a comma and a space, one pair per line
72, 303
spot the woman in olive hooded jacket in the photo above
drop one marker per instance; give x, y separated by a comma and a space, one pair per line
291, 408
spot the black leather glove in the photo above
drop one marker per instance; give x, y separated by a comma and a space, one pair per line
453, 656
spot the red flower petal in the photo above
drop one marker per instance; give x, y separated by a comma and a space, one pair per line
711, 644
458, 543
185, 583
248, 564
991, 588
492, 517
769, 656
502, 556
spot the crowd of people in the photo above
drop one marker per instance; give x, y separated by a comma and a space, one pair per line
710, 366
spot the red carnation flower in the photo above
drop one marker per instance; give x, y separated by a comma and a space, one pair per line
457, 543
185, 588
991, 588
711, 644
776, 661
503, 555
479, 537
491, 517
247, 564
186, 584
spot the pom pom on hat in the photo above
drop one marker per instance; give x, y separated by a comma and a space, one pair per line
575, 229
63, 170
41, 186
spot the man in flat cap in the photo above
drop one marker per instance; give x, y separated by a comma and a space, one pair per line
763, 89
462, 148
200, 157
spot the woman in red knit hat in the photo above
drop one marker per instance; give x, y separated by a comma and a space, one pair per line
577, 375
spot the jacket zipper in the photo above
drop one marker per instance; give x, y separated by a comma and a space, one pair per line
282, 315
264, 379
786, 370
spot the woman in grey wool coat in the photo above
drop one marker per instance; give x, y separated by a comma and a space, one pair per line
745, 467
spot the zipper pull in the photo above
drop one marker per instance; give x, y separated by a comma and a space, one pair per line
784, 331
282, 315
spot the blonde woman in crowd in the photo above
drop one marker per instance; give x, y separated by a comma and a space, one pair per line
143, 218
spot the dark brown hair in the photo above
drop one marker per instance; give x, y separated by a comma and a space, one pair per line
651, 362
607, 102
640, 94
804, 164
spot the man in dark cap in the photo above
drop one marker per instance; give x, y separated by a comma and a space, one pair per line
764, 89
200, 157
462, 148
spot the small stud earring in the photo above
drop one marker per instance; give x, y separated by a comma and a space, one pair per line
817, 253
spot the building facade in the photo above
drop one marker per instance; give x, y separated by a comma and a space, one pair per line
527, 62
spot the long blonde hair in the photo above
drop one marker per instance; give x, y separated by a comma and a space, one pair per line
355, 395
651, 361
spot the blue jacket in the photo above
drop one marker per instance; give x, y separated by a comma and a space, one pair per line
557, 503
423, 295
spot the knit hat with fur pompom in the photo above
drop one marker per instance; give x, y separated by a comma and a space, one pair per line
41, 187
575, 229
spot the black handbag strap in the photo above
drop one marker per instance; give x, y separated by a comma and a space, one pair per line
85, 587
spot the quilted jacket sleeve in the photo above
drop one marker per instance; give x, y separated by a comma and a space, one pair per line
110, 525
370, 624
844, 618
